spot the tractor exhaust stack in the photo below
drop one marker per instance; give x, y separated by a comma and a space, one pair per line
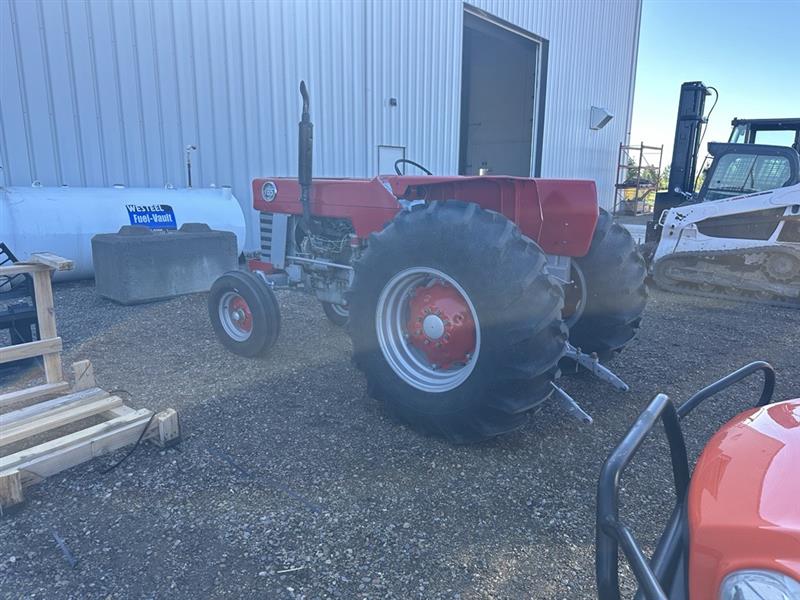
304, 159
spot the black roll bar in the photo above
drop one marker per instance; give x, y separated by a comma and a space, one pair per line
612, 533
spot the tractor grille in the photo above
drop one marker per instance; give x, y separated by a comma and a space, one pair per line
266, 236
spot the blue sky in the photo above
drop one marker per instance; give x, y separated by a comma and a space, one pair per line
748, 49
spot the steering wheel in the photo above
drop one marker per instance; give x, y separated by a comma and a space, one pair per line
401, 161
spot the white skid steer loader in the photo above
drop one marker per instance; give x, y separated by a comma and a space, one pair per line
743, 241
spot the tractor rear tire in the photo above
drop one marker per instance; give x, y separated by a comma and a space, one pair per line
428, 281
615, 294
244, 313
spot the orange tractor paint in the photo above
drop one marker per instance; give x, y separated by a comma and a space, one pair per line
734, 531
744, 499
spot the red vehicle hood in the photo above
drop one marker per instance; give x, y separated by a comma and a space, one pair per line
558, 214
744, 499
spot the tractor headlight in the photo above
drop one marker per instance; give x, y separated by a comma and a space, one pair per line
759, 585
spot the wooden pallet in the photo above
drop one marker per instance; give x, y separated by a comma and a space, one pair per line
53, 408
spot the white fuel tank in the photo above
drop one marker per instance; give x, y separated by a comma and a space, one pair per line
62, 220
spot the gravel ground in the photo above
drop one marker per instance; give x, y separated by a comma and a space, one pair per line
292, 483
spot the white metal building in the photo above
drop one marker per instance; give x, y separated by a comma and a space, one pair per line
103, 92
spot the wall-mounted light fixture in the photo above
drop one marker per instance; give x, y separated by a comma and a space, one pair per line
599, 118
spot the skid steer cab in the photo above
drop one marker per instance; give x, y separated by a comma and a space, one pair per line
734, 531
462, 295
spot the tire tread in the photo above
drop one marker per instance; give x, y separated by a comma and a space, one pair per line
526, 312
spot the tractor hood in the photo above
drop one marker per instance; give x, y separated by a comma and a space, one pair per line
558, 214
744, 499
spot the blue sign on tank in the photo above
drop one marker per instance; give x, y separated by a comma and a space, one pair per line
154, 216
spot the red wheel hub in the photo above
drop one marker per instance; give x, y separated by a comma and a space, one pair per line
240, 314
440, 325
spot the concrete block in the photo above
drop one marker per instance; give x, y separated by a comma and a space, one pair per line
139, 264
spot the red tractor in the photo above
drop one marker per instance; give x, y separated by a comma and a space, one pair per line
734, 531
462, 295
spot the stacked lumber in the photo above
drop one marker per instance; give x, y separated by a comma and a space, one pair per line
57, 403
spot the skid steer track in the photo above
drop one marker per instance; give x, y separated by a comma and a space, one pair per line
743, 275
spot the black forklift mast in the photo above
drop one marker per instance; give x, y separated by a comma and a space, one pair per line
685, 150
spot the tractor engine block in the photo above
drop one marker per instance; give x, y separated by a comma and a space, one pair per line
331, 242
319, 260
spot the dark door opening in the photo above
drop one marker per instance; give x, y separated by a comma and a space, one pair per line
499, 86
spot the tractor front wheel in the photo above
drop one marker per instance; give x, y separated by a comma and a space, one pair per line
336, 313
244, 313
455, 322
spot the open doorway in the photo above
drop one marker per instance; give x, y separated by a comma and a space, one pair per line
502, 87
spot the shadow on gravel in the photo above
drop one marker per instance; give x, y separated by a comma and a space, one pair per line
291, 482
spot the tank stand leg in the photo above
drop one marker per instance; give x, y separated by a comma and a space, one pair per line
592, 364
572, 407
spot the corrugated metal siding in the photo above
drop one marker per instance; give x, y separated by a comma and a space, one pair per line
414, 55
101, 92
592, 53
98, 93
